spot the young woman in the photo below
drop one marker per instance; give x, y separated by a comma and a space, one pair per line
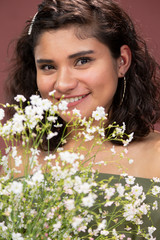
90, 53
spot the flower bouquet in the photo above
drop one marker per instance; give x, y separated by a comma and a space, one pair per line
62, 196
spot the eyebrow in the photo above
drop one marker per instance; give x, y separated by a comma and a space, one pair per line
78, 54
44, 61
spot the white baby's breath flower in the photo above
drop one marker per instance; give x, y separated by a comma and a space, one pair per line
127, 141
18, 123
46, 104
119, 131
53, 109
51, 135
130, 180
14, 152
125, 150
57, 226
6, 129
58, 125
76, 221
52, 93
87, 137
101, 132
102, 225
19, 98
156, 179
130, 161
60, 149
109, 192
76, 112
7, 150
35, 151
155, 205
15, 187
129, 212
89, 218
30, 111
99, 113
104, 232
137, 190
82, 228
4, 162
123, 126
114, 232
18, 161
128, 229
50, 157
33, 161
36, 100
85, 188
108, 203
144, 208
68, 157
120, 189
33, 115
68, 183
113, 150
2, 225
2, 114
100, 163
91, 130
151, 230
17, 236
69, 204
52, 119
89, 200
38, 177
81, 157
83, 121
123, 174
156, 190
78, 183
62, 106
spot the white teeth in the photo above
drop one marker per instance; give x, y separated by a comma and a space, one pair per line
69, 100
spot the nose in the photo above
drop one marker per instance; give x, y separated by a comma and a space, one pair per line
65, 81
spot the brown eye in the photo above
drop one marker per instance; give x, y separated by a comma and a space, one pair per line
47, 67
82, 61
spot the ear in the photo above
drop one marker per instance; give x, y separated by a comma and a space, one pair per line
124, 61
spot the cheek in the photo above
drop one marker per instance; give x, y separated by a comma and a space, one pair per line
44, 86
102, 81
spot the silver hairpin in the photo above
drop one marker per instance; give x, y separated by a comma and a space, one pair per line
32, 22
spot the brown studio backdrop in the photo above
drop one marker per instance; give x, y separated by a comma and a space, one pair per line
13, 15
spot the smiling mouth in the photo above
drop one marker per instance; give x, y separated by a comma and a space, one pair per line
74, 99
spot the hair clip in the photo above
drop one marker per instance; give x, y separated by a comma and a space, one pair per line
31, 25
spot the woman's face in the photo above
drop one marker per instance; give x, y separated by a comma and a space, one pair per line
83, 70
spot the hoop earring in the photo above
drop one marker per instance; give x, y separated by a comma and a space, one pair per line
124, 90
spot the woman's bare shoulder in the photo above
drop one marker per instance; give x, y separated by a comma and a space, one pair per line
154, 139
153, 150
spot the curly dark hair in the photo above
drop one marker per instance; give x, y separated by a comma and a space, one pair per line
108, 23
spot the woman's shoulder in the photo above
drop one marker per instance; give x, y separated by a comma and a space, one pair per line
152, 150
153, 140
146, 156
149, 145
